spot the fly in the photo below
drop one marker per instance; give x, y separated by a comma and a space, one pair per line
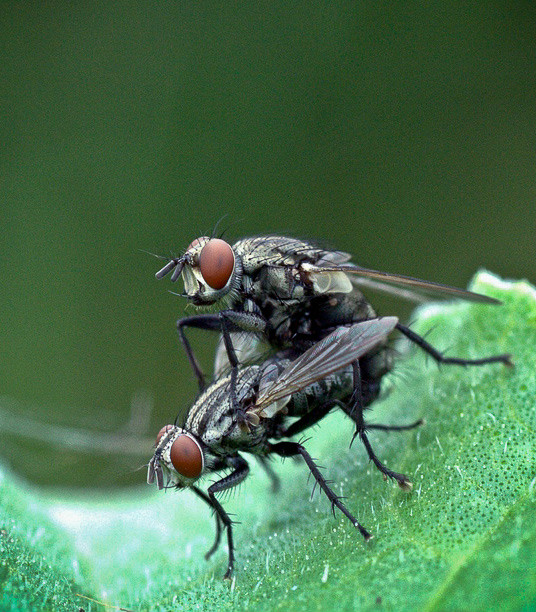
276, 399
291, 293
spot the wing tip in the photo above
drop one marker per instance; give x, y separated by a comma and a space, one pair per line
486, 299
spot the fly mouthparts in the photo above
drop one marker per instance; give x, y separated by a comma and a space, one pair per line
155, 471
150, 474
159, 478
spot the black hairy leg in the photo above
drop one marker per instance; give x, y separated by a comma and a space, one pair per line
506, 359
291, 449
354, 409
217, 539
239, 473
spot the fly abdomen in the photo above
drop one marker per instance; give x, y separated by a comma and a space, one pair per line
330, 311
337, 386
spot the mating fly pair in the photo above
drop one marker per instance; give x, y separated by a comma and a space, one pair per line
330, 350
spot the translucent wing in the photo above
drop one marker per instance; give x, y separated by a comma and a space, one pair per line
249, 349
403, 286
336, 351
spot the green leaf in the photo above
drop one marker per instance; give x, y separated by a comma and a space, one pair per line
463, 539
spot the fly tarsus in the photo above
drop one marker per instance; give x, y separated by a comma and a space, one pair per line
403, 481
505, 359
382, 427
290, 449
355, 412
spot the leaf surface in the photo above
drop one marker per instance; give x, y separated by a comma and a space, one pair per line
463, 539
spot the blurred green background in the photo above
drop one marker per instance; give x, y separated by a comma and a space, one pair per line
401, 132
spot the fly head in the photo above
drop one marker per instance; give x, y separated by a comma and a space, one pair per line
210, 269
179, 459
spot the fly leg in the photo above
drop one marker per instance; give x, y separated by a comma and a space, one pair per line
217, 539
240, 471
355, 412
291, 449
249, 322
308, 420
440, 358
202, 321
394, 427
226, 321
233, 361
380, 426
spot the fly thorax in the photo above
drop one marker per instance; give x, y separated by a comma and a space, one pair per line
214, 418
209, 407
281, 283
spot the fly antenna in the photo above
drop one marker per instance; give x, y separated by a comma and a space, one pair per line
176, 264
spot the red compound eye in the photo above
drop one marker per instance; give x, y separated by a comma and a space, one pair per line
164, 430
216, 263
186, 457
